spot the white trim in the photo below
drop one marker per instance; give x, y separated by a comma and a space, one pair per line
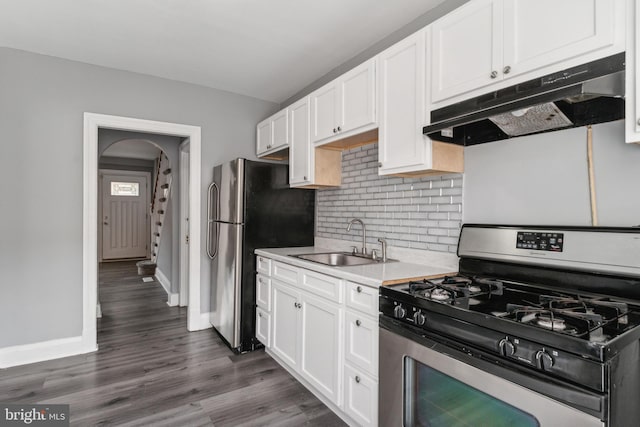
93, 122
164, 281
46, 350
183, 231
173, 299
205, 321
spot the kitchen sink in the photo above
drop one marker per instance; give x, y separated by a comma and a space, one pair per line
339, 259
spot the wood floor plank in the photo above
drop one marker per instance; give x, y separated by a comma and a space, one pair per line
149, 371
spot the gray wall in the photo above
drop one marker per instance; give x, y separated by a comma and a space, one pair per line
41, 127
419, 213
169, 255
543, 179
415, 25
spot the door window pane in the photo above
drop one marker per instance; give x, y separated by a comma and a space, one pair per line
438, 400
125, 188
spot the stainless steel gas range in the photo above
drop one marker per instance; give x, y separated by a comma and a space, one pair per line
539, 328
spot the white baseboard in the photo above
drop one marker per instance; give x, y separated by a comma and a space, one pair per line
45, 350
173, 299
164, 281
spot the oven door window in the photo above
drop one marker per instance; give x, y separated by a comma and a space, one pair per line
434, 399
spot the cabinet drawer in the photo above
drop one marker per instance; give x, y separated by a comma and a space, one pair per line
324, 286
285, 273
263, 327
360, 396
362, 298
361, 347
263, 265
263, 292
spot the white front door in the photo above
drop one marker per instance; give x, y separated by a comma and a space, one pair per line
125, 227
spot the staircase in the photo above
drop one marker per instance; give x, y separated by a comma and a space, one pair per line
161, 191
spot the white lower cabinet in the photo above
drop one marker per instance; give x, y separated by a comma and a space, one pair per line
360, 397
325, 331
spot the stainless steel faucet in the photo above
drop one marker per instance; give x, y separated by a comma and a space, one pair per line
364, 233
383, 243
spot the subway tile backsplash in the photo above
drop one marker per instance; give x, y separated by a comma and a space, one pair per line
417, 213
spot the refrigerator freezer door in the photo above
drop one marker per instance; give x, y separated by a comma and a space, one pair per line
228, 206
226, 279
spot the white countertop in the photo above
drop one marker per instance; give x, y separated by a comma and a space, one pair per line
371, 274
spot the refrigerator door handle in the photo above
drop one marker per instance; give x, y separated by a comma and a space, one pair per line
210, 220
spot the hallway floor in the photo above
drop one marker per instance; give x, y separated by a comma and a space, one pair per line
150, 371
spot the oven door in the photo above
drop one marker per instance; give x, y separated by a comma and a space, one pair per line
422, 385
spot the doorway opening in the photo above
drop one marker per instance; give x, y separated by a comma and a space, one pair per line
93, 124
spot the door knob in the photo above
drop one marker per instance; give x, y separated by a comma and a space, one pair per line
105, 223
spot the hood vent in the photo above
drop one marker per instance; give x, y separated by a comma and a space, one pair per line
588, 94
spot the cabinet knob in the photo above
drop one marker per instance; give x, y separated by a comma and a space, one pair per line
339, 128
304, 178
638, 122
259, 314
269, 146
334, 130
358, 323
507, 69
357, 379
260, 280
494, 74
359, 289
379, 164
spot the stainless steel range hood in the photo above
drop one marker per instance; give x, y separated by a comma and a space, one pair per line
587, 94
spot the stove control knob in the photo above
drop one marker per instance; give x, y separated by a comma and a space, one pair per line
507, 348
544, 360
399, 312
419, 318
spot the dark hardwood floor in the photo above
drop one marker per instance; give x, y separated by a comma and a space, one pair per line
149, 371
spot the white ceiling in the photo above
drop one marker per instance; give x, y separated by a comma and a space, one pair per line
268, 49
133, 149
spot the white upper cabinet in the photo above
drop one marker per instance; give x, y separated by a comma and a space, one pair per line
402, 148
301, 151
272, 134
466, 49
345, 106
499, 43
632, 104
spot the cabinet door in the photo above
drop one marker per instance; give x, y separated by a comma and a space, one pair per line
324, 117
362, 342
280, 131
401, 145
263, 292
320, 346
300, 150
263, 137
263, 327
466, 49
357, 97
360, 397
535, 38
632, 104
285, 320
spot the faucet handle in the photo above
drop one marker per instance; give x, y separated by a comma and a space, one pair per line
374, 255
354, 250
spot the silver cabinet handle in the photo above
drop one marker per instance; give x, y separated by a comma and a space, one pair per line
359, 289
339, 128
379, 164
358, 323
357, 378
507, 69
494, 74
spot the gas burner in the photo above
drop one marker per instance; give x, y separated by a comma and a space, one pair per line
438, 294
549, 322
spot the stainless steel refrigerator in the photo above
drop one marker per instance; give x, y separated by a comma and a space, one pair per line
250, 205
